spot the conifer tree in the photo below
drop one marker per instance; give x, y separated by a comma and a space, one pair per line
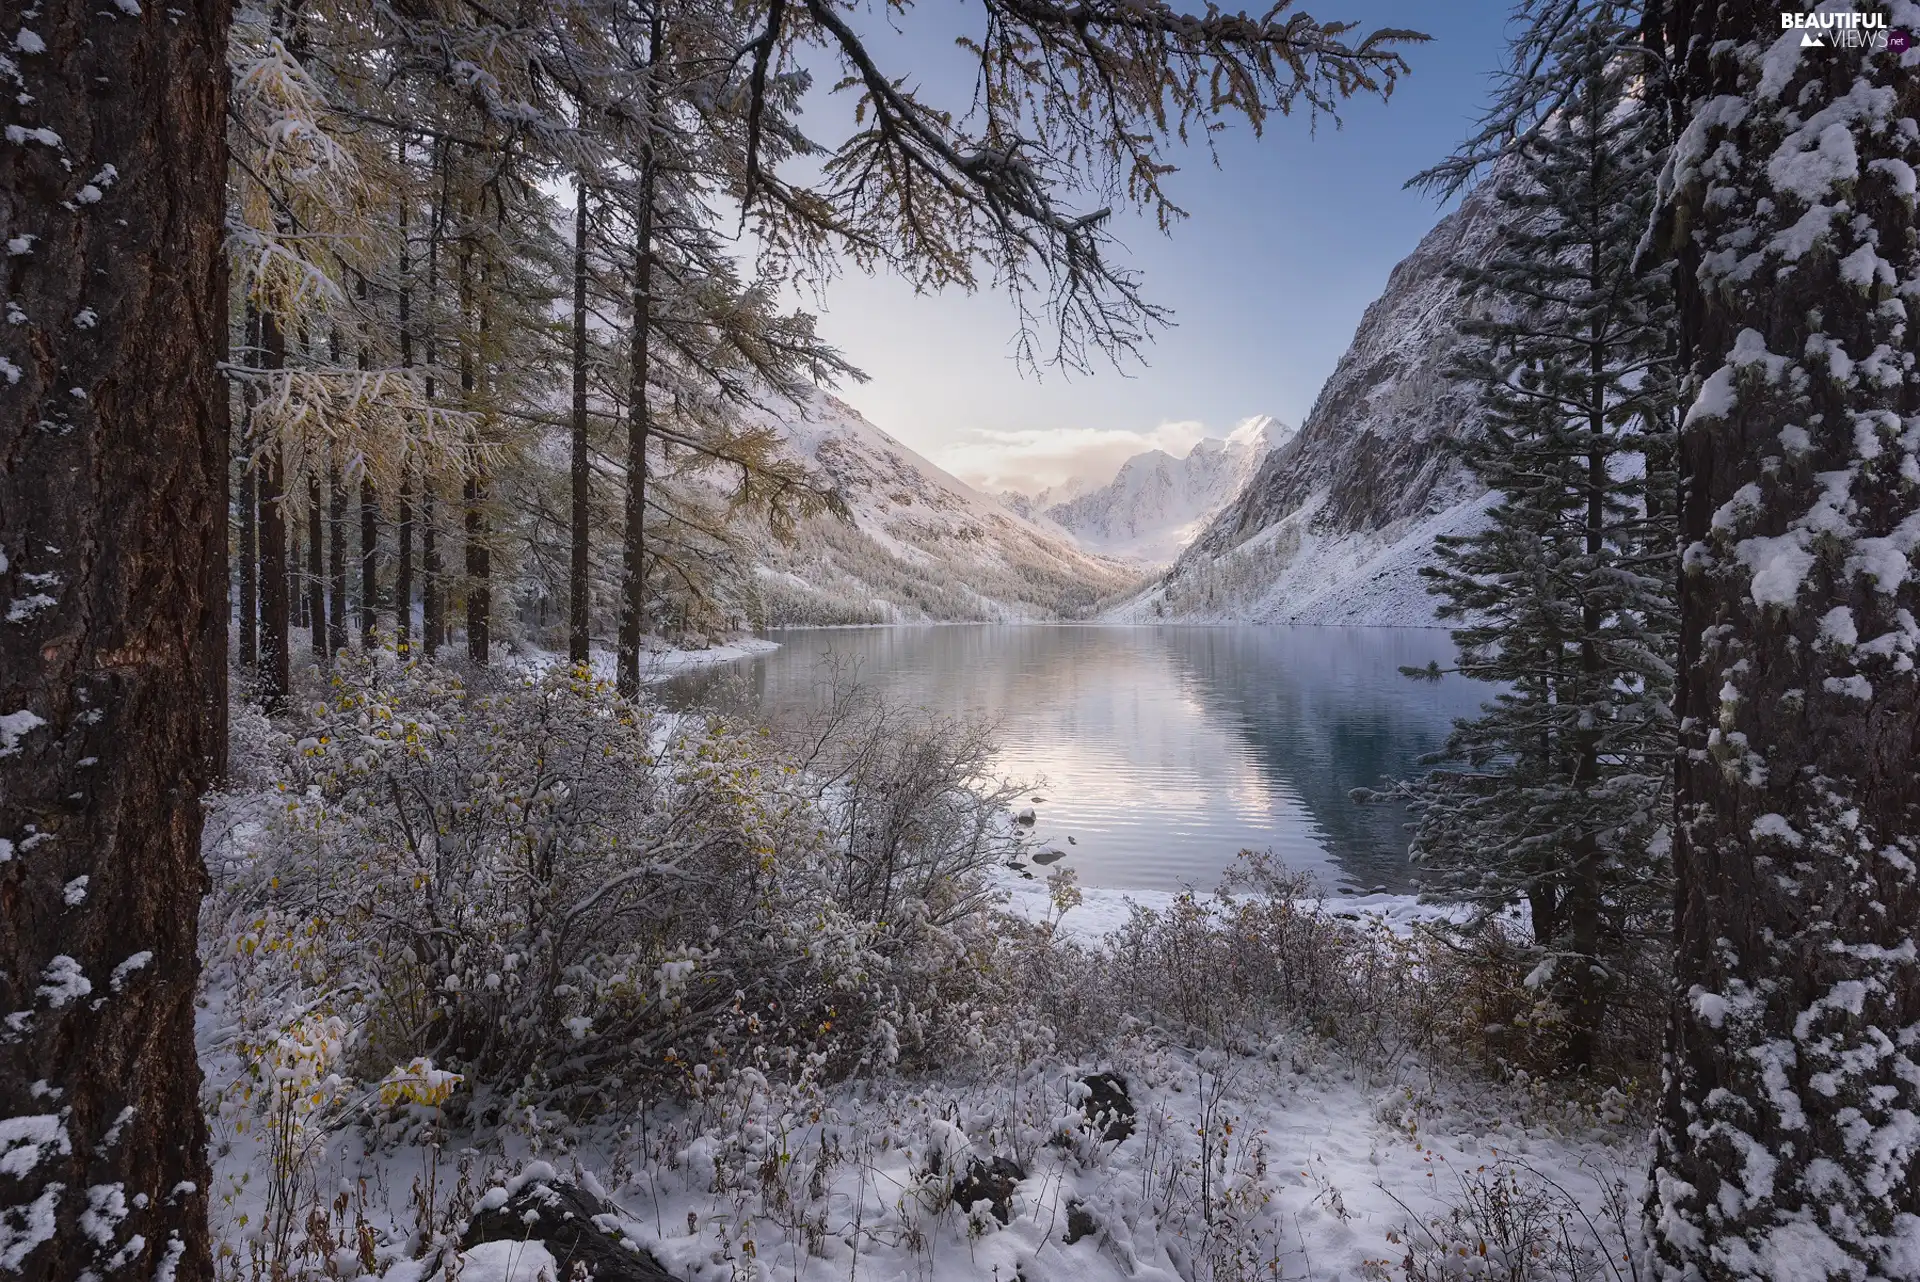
1786, 1145
1566, 597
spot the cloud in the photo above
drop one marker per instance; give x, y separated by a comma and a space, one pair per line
1032, 460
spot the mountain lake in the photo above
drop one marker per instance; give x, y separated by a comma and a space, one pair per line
1158, 753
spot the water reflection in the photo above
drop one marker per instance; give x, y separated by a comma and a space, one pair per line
1166, 750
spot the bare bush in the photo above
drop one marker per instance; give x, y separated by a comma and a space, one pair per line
539, 882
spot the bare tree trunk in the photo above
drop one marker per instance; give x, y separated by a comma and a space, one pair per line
479, 572
275, 614
336, 558
403, 564
369, 565
249, 549
317, 569
579, 589
403, 499
1785, 1144
633, 596
433, 608
113, 537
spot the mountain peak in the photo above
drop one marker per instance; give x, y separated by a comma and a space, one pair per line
1157, 502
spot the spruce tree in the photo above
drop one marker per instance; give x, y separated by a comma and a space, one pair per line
1565, 598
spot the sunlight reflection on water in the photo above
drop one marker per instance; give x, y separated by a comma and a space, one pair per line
1163, 751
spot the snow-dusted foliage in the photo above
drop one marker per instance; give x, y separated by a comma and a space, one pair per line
1789, 1145
1565, 599
534, 881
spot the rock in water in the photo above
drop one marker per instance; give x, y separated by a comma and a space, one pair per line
1046, 857
1026, 817
577, 1227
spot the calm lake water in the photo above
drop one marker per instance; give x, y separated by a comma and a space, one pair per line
1163, 751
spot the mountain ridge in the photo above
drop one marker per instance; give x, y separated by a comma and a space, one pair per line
1336, 524
1156, 502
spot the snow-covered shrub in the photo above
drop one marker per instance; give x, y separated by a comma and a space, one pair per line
1266, 953
557, 890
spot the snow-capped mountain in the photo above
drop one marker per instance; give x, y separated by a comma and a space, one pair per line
921, 545
1158, 503
1337, 522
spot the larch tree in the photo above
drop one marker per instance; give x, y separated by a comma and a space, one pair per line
1565, 599
113, 432
1787, 1145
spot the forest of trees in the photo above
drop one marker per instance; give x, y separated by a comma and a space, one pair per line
404, 328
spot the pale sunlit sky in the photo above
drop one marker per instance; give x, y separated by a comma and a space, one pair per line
1288, 241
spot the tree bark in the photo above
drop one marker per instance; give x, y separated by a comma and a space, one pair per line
114, 456
1785, 1145
275, 623
579, 599
633, 595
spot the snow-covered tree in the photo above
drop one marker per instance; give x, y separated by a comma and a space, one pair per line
1787, 1146
1566, 597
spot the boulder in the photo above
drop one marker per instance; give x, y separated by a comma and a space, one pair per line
577, 1226
990, 1181
1080, 1221
1107, 1106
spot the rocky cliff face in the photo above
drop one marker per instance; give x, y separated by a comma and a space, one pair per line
1337, 522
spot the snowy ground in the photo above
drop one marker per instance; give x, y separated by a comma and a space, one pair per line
1318, 1163
1317, 1168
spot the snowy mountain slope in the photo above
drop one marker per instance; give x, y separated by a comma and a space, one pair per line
1336, 523
922, 544
1157, 503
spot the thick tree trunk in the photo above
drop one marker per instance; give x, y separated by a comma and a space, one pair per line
114, 459
275, 621
579, 598
1786, 1146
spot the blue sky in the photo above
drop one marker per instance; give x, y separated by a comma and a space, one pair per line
1287, 243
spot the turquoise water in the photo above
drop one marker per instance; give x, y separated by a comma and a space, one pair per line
1163, 751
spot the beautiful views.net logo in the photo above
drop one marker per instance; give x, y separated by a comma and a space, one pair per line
1863, 31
